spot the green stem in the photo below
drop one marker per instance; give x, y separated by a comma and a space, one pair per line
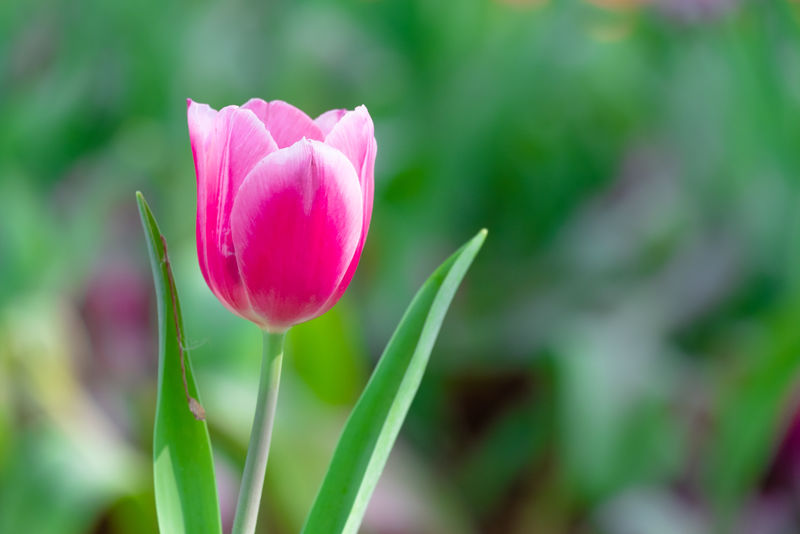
258, 450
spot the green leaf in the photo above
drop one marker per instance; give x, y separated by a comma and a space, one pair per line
185, 489
755, 410
378, 415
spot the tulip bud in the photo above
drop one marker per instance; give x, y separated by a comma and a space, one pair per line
283, 206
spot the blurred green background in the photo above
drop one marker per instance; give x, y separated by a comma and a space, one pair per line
623, 357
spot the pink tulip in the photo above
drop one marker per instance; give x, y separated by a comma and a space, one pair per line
283, 206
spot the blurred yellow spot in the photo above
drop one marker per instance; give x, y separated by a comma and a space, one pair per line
611, 32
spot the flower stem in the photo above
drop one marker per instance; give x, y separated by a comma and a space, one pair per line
258, 450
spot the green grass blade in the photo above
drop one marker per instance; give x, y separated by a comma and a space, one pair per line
185, 488
373, 425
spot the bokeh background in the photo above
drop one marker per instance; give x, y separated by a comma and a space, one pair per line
623, 357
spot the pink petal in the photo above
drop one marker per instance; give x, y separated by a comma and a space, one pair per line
286, 123
296, 225
226, 145
354, 136
201, 119
328, 120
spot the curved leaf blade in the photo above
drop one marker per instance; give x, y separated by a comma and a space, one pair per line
375, 421
183, 468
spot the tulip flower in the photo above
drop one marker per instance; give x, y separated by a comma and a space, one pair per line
283, 206
283, 209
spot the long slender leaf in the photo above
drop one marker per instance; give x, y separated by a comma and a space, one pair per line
185, 488
373, 425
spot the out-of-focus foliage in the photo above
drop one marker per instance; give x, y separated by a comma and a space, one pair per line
623, 358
